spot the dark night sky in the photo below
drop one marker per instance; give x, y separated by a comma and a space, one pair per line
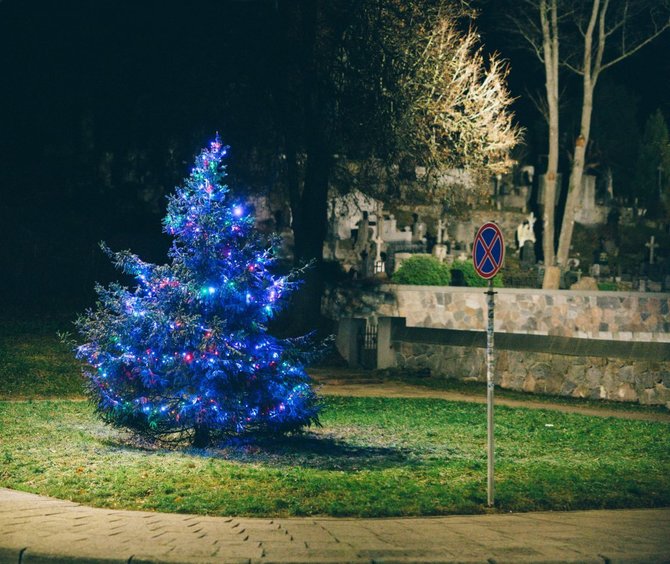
130, 74
124, 77
142, 68
148, 69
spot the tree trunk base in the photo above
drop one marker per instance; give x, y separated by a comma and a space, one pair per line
201, 437
552, 278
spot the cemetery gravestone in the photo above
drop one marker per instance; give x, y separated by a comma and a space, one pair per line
651, 245
363, 234
528, 254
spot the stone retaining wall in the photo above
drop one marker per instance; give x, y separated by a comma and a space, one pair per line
611, 378
610, 345
618, 316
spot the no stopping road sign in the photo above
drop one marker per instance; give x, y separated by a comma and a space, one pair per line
488, 250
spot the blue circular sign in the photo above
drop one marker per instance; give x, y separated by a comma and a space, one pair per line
488, 250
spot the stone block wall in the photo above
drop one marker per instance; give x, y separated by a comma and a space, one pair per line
597, 377
618, 316
610, 345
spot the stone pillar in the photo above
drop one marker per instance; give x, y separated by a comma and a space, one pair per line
386, 356
348, 339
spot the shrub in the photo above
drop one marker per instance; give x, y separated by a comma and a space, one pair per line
463, 273
608, 286
423, 271
517, 276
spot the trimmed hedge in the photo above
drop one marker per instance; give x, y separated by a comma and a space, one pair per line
422, 271
468, 275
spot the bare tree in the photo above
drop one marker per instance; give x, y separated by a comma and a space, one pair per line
607, 33
538, 25
593, 35
550, 57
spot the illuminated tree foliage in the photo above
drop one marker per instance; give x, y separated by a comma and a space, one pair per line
185, 355
420, 86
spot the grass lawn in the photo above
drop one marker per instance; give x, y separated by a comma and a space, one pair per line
372, 457
34, 363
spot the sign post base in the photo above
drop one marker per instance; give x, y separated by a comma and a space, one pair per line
490, 448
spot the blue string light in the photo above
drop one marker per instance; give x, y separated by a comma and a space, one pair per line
185, 353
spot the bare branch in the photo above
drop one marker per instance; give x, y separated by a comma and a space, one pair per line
601, 43
588, 39
569, 66
634, 49
535, 46
540, 103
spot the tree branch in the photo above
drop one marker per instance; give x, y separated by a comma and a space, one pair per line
588, 40
601, 43
632, 50
572, 68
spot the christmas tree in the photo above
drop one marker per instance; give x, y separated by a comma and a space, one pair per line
186, 355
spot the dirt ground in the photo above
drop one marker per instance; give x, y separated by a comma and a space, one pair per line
350, 382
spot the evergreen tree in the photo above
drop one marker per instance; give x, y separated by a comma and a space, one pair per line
652, 173
186, 353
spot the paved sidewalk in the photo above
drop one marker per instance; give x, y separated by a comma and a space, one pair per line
39, 529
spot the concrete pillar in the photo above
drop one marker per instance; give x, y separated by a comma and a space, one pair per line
347, 340
387, 327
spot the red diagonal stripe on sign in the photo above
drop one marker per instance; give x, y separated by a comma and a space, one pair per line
487, 250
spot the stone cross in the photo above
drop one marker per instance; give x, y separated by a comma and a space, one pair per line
531, 221
379, 265
651, 245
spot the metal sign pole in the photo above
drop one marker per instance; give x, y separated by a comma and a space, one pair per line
488, 254
490, 490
